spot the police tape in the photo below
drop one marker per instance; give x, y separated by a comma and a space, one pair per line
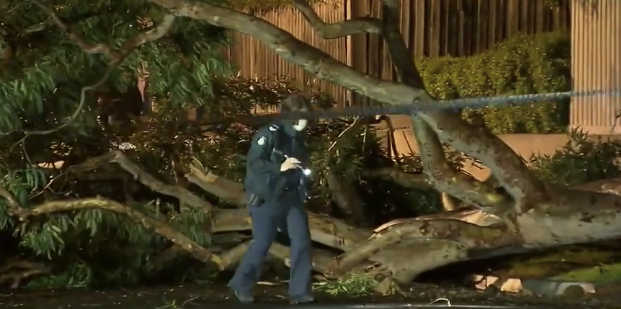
455, 105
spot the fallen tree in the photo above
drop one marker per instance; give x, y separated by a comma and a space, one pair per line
431, 241
535, 216
325, 230
523, 213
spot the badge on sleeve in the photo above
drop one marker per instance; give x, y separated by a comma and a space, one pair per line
261, 141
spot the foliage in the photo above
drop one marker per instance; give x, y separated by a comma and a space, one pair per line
43, 72
563, 262
38, 80
521, 65
40, 83
581, 160
350, 285
79, 242
601, 274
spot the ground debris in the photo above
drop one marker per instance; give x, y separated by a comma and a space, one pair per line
215, 295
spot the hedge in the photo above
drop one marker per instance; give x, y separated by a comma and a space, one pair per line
524, 64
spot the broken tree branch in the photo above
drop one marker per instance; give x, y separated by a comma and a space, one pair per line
462, 241
470, 215
507, 167
572, 216
324, 229
50, 22
292, 49
611, 185
18, 270
349, 128
182, 194
12, 203
465, 234
115, 56
338, 29
446, 179
338, 235
435, 165
216, 185
149, 222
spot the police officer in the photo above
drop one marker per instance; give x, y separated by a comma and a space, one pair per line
276, 187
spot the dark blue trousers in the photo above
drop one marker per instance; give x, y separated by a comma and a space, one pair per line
266, 219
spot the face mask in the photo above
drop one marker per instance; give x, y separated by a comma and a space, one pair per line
300, 125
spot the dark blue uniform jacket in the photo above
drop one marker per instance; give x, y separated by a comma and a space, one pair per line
269, 149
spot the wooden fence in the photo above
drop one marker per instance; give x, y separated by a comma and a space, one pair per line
430, 28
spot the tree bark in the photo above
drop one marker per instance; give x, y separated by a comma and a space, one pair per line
216, 185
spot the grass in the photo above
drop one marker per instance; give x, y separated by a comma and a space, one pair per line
598, 274
351, 285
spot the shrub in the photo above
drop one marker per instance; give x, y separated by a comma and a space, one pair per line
581, 160
521, 65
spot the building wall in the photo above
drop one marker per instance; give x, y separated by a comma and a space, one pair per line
596, 64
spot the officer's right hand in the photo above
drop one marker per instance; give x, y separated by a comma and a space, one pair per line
289, 164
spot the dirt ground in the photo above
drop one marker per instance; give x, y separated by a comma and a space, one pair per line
217, 296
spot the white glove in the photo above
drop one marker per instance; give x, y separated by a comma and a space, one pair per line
289, 164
